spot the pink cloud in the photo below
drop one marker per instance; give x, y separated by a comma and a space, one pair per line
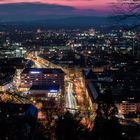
76, 3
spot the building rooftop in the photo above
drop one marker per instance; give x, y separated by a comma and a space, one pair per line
44, 87
42, 70
92, 91
88, 74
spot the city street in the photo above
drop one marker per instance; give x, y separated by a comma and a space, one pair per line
70, 99
75, 97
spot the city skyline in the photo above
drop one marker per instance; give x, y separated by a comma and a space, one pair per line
68, 72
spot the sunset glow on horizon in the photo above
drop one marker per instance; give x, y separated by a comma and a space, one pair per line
80, 4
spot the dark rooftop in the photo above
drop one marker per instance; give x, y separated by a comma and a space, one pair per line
92, 91
43, 70
44, 87
88, 74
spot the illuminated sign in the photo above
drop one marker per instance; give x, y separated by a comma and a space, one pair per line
53, 91
35, 72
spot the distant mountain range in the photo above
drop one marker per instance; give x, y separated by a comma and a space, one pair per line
72, 22
52, 15
75, 21
81, 21
40, 11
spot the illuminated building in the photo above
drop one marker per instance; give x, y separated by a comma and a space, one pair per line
129, 107
124, 90
44, 92
5, 86
42, 76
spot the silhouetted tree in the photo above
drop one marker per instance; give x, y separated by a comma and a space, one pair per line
127, 10
106, 125
69, 128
